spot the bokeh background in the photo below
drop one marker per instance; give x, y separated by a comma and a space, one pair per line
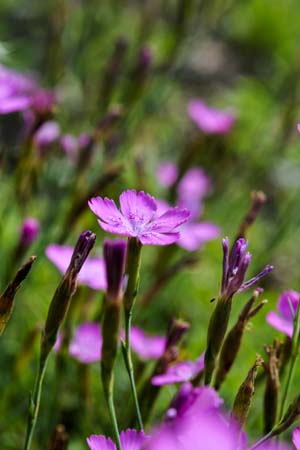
138, 64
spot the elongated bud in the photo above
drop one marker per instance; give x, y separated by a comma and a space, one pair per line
65, 290
233, 340
215, 335
243, 399
258, 200
8, 296
272, 387
114, 257
133, 263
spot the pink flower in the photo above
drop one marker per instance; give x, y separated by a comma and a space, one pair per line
146, 347
298, 127
296, 438
46, 134
192, 188
210, 120
283, 319
138, 218
130, 440
193, 234
167, 173
180, 372
86, 344
92, 273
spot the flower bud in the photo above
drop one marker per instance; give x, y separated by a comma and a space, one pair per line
8, 296
29, 231
115, 257
65, 290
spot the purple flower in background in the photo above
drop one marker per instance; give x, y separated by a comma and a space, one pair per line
296, 438
19, 92
138, 218
298, 127
193, 234
210, 120
167, 173
86, 344
15, 91
147, 347
194, 400
29, 230
192, 188
130, 440
235, 267
287, 307
46, 134
92, 273
180, 372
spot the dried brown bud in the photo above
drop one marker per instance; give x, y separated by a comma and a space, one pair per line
8, 296
258, 200
272, 387
243, 399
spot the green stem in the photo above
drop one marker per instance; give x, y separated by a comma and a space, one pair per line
113, 417
34, 404
295, 352
133, 264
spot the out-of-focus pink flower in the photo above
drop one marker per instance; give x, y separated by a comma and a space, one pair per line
283, 319
130, 440
193, 186
145, 346
194, 400
194, 234
69, 145
19, 92
47, 134
296, 438
180, 372
298, 127
210, 120
167, 173
86, 344
138, 218
92, 273
29, 230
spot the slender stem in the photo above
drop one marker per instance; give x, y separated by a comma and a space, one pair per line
133, 264
113, 417
295, 352
129, 367
34, 404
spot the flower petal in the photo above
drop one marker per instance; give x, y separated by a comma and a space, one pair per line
296, 438
132, 439
99, 442
170, 220
193, 235
280, 323
154, 238
86, 344
137, 207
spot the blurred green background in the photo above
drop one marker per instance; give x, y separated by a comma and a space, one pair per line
237, 55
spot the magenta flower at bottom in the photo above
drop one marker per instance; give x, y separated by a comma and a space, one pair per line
130, 440
283, 319
296, 438
180, 372
138, 217
86, 345
92, 273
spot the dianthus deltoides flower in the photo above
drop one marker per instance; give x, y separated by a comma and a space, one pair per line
138, 217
